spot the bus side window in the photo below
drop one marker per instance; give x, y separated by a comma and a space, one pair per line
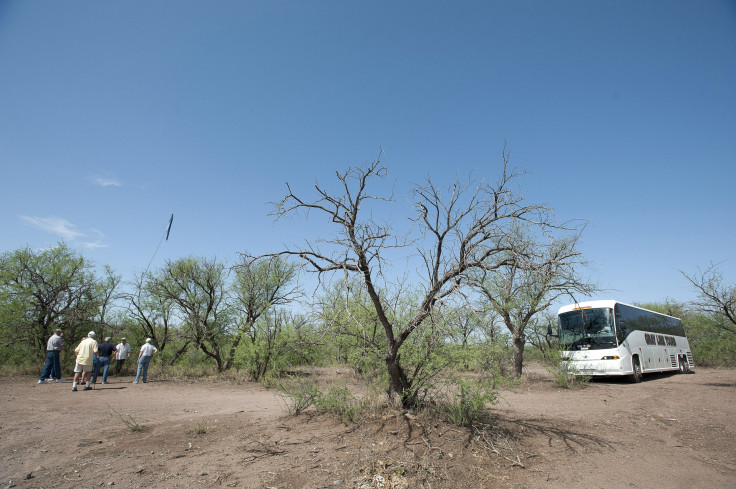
620, 328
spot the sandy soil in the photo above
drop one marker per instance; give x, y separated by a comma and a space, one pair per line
671, 431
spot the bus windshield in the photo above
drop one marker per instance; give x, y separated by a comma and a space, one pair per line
587, 329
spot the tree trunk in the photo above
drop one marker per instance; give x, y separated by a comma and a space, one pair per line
398, 384
179, 353
214, 354
263, 367
231, 353
518, 360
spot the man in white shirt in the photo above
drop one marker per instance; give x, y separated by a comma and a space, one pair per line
144, 358
123, 352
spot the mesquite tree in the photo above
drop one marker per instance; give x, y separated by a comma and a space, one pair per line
714, 297
152, 314
453, 232
259, 286
533, 274
195, 287
41, 290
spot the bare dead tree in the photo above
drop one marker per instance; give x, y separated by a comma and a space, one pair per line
459, 230
714, 298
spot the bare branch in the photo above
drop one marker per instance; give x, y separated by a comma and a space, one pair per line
714, 298
470, 227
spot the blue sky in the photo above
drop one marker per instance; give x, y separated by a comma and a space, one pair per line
113, 115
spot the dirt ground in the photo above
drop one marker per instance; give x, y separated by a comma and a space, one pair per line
671, 431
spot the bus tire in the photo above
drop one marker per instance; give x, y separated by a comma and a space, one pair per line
684, 365
681, 364
636, 366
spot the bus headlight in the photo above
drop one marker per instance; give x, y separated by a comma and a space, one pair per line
611, 357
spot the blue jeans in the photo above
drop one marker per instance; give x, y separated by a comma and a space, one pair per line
143, 367
102, 362
52, 362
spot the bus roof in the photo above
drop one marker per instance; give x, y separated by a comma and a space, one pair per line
608, 303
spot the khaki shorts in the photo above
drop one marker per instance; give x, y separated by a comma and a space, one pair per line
82, 368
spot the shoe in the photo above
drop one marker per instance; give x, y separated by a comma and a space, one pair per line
104, 383
87, 388
41, 381
74, 389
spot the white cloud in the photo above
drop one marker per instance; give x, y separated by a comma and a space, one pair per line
94, 244
97, 243
67, 231
54, 225
105, 182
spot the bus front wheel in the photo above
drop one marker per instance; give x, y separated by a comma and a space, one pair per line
636, 376
684, 365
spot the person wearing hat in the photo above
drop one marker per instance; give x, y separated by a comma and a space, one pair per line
122, 354
86, 352
106, 350
144, 358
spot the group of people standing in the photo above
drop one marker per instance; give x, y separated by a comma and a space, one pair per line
91, 357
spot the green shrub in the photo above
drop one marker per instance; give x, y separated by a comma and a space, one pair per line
469, 403
298, 394
567, 375
497, 362
712, 345
340, 402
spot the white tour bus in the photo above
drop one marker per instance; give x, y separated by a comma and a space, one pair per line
612, 338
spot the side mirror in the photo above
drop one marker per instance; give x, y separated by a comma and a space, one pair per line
550, 332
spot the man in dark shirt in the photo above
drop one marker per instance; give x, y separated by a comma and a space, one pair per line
105, 350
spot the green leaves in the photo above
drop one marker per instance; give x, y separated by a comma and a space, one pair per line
41, 290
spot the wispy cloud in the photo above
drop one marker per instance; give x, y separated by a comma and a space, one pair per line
105, 181
54, 225
67, 231
97, 243
94, 244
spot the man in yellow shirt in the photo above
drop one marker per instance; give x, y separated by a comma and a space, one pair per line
86, 351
